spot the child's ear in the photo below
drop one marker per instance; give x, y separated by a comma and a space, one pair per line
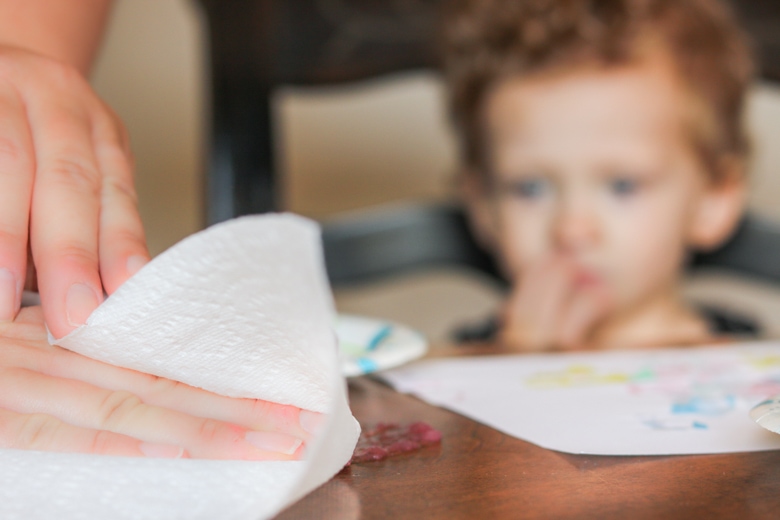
480, 211
720, 208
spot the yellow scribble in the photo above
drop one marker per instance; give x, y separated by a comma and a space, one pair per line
765, 362
574, 376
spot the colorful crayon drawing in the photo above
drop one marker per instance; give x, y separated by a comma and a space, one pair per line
702, 388
654, 402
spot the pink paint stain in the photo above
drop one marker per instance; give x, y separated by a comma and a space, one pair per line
387, 439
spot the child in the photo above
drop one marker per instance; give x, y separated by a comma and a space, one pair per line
603, 142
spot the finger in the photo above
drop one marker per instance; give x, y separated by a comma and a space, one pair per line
46, 433
586, 309
551, 295
30, 350
17, 172
513, 325
544, 294
518, 314
32, 316
65, 213
26, 329
255, 414
121, 237
86, 406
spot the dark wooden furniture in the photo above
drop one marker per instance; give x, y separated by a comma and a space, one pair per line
761, 18
478, 472
258, 45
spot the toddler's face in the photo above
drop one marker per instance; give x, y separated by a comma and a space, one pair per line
595, 166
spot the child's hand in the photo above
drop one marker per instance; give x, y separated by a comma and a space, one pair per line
52, 399
66, 191
555, 306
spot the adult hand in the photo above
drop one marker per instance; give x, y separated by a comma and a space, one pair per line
52, 399
555, 306
66, 191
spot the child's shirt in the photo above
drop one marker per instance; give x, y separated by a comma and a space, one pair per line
720, 322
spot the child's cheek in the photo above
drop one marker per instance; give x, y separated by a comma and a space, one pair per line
524, 238
648, 254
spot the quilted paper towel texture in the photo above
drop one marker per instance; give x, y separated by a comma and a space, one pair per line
241, 309
69, 486
230, 309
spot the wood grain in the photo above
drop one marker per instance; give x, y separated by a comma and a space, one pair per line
478, 472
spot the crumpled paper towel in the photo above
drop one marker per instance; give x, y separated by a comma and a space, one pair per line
242, 309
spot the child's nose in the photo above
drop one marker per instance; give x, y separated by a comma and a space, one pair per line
575, 228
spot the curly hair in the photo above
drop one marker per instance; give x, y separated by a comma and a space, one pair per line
487, 41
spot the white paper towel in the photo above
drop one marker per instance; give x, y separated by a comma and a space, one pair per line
242, 309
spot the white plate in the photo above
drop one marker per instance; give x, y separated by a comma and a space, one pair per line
767, 414
368, 345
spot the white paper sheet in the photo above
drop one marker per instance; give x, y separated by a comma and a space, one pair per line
660, 402
241, 309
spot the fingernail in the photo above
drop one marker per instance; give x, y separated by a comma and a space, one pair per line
310, 421
277, 442
135, 263
161, 451
80, 301
9, 287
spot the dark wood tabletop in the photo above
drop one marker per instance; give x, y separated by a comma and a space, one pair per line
478, 472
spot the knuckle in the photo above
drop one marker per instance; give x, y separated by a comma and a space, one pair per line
111, 135
12, 239
11, 151
102, 443
210, 430
111, 130
123, 186
285, 416
116, 408
76, 172
65, 75
36, 431
123, 240
20, 65
74, 254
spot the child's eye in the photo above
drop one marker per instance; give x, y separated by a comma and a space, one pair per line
529, 188
624, 186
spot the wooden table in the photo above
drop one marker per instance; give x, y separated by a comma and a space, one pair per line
478, 472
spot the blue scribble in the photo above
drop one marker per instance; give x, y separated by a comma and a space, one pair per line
705, 405
381, 335
366, 365
674, 424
